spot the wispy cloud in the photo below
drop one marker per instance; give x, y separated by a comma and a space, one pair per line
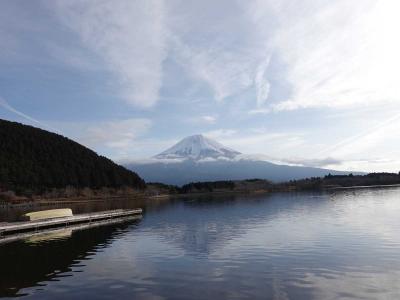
336, 54
259, 111
319, 163
221, 48
7, 106
220, 133
262, 84
370, 137
263, 141
232, 65
331, 54
120, 134
203, 119
129, 36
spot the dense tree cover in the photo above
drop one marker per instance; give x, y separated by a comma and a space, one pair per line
208, 186
307, 184
157, 188
333, 181
368, 179
35, 159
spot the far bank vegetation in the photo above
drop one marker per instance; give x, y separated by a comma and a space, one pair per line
262, 185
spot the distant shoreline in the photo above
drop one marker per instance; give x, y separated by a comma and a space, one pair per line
363, 186
162, 191
72, 201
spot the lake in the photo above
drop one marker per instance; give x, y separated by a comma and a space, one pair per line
331, 245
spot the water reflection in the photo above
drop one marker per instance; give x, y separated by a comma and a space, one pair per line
202, 225
58, 234
341, 245
294, 246
50, 257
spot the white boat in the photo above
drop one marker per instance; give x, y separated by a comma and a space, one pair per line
48, 214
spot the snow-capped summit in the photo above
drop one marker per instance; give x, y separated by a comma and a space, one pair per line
198, 158
198, 147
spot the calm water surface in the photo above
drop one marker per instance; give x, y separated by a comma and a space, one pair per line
342, 245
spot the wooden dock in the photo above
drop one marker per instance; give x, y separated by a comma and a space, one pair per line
31, 227
62, 232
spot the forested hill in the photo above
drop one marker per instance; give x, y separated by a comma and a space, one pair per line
35, 159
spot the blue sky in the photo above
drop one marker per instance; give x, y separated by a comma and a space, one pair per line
306, 82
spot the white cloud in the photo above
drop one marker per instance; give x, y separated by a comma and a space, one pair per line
367, 165
262, 84
336, 54
259, 111
217, 44
130, 36
205, 119
331, 54
220, 133
263, 141
209, 119
222, 69
121, 135
254, 57
319, 163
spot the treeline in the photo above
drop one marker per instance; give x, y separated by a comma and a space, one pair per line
337, 181
34, 160
210, 187
262, 185
156, 188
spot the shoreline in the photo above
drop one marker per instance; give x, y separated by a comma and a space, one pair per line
363, 186
89, 200
64, 201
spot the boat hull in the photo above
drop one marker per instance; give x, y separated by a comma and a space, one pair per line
48, 214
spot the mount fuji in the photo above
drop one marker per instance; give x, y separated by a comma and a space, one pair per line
198, 158
198, 147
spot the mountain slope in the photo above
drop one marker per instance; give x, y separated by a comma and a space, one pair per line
197, 158
197, 147
32, 158
179, 173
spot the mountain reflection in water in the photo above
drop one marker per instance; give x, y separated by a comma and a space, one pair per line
343, 244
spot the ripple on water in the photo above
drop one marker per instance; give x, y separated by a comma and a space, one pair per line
281, 246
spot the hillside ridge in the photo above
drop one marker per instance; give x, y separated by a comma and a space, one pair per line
33, 159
